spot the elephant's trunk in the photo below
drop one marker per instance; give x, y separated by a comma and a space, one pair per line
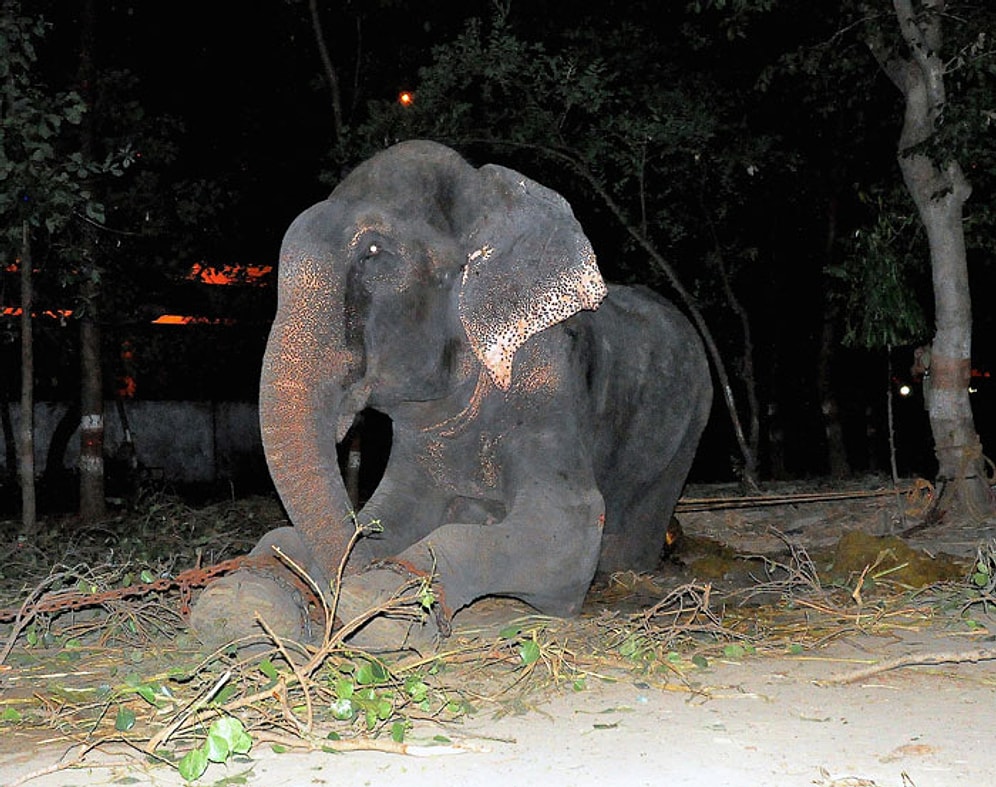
303, 406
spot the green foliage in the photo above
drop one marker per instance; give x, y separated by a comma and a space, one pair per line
43, 184
225, 739
881, 305
367, 693
580, 108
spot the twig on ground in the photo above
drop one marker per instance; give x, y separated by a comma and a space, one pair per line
29, 609
167, 732
800, 572
912, 660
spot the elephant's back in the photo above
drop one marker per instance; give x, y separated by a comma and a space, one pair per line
647, 377
642, 340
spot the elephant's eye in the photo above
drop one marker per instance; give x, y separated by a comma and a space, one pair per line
369, 251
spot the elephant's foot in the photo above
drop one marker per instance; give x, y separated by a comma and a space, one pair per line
398, 626
230, 609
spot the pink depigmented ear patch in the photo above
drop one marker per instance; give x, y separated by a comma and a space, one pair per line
496, 340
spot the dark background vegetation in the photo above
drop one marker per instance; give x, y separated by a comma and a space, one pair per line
780, 152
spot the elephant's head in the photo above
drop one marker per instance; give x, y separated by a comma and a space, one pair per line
418, 270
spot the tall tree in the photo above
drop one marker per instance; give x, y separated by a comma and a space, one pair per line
939, 189
43, 188
26, 438
92, 500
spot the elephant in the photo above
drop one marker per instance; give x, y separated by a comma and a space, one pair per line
543, 422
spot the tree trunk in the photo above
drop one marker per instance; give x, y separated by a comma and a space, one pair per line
939, 190
26, 430
829, 409
750, 470
330, 73
92, 505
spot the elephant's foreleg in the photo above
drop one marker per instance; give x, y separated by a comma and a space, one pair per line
544, 553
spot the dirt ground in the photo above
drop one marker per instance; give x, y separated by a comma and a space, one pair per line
769, 715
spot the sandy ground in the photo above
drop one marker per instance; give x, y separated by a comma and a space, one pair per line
763, 720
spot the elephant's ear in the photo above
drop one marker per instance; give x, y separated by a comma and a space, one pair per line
529, 266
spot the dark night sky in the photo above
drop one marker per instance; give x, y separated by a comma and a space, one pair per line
247, 93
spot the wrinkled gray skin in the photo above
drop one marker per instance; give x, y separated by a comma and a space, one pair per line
517, 481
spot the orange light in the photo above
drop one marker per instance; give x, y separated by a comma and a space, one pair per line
127, 387
406, 99
185, 319
256, 275
55, 314
170, 319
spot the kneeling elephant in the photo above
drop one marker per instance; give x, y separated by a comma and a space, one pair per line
543, 423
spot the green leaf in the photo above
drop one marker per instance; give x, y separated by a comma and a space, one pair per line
10, 715
700, 661
124, 720
416, 688
227, 736
980, 579
217, 747
398, 732
344, 688
147, 693
795, 649
223, 696
529, 652
630, 647
733, 651
243, 744
267, 668
343, 709
510, 632
276, 748
193, 764
147, 576
371, 673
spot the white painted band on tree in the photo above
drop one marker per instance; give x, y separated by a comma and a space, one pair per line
89, 423
92, 465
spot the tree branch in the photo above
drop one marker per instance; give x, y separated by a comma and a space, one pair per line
330, 72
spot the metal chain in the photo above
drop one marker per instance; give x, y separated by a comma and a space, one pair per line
63, 601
